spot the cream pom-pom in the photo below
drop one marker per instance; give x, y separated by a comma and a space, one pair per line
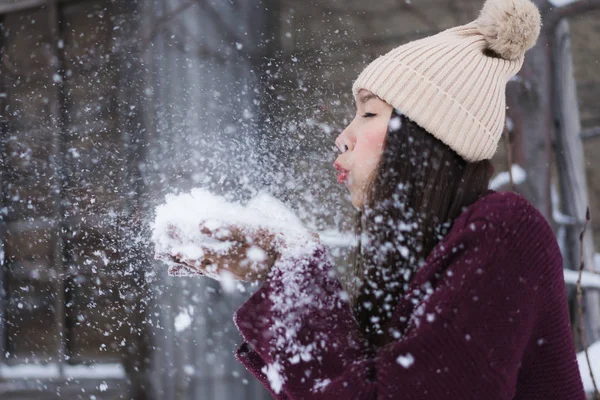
511, 27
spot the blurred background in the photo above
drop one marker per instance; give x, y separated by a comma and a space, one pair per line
108, 105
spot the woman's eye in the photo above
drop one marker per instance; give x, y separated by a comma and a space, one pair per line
367, 115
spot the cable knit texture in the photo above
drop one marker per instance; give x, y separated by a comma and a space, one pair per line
485, 318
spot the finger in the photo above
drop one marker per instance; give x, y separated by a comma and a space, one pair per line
266, 238
236, 234
185, 262
176, 258
222, 232
181, 270
175, 270
204, 230
261, 236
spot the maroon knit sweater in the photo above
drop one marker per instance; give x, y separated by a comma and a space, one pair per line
485, 318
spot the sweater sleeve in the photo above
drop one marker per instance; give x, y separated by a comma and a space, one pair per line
301, 338
468, 327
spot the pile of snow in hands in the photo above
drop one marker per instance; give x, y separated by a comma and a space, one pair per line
176, 228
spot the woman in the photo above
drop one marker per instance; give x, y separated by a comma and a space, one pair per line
457, 291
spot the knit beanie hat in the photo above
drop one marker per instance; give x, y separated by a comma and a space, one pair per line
453, 84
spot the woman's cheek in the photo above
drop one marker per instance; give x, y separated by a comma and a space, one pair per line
371, 149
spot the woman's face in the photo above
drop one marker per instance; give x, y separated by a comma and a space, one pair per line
361, 144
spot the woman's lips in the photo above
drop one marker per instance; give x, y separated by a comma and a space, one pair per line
342, 173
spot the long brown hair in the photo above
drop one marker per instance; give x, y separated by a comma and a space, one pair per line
415, 193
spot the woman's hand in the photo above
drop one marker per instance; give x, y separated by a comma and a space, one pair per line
245, 253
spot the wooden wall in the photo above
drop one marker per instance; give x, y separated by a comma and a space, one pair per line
106, 107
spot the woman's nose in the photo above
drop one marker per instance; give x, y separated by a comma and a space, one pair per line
341, 141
